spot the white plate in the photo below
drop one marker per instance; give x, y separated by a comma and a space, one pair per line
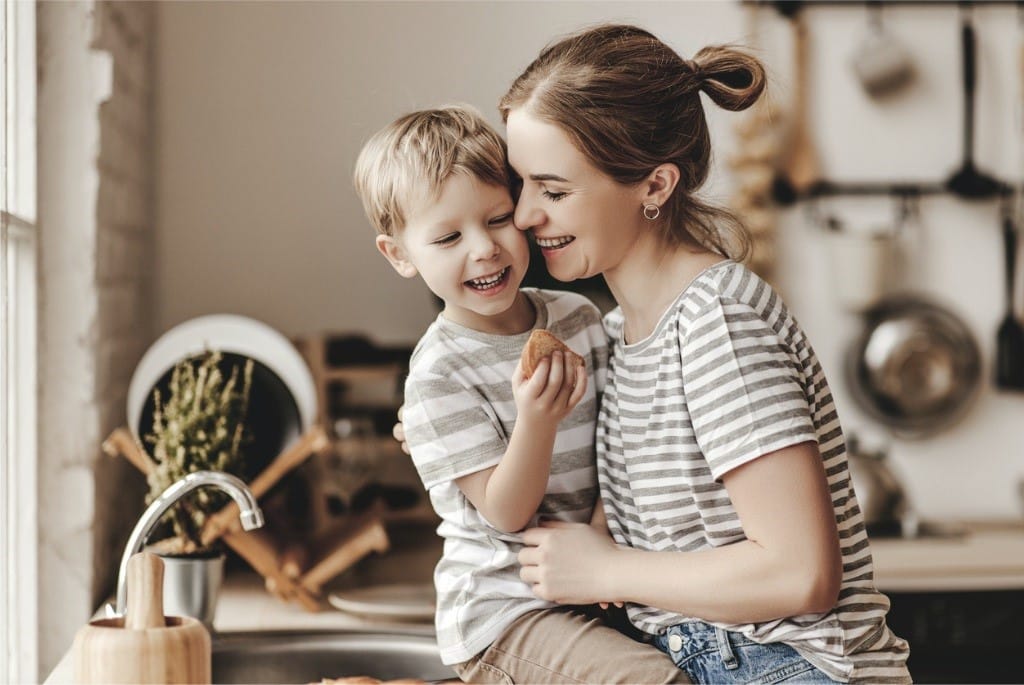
406, 602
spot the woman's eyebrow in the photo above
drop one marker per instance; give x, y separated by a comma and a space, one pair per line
547, 177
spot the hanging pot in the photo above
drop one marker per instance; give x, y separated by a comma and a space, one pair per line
915, 368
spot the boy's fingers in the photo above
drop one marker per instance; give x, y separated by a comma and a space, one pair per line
580, 388
557, 371
519, 374
538, 381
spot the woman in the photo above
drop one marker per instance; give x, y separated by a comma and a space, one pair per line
736, 541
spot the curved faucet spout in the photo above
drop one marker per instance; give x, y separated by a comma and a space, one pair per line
250, 514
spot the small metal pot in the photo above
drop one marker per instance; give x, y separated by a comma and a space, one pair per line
882, 499
192, 586
916, 366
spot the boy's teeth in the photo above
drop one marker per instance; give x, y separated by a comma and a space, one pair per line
555, 242
489, 280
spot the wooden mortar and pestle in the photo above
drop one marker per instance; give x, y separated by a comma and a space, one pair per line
143, 646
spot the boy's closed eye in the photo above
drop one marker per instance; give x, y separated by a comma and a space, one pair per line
499, 221
447, 239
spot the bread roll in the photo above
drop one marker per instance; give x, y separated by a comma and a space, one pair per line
541, 344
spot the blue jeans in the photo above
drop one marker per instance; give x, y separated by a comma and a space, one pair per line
711, 655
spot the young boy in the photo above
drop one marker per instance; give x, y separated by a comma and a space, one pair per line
495, 456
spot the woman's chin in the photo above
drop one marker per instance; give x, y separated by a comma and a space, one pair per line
563, 272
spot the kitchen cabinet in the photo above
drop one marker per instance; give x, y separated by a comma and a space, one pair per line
960, 636
958, 601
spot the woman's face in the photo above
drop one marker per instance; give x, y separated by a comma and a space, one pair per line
582, 219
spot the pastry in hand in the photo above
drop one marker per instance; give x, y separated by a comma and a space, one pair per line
541, 344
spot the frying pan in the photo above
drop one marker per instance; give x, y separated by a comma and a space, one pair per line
916, 367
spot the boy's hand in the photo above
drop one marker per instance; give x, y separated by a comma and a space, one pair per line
551, 392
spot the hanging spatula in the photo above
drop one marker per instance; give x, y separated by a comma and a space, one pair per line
1010, 337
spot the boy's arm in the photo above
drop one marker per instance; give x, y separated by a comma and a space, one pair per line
509, 494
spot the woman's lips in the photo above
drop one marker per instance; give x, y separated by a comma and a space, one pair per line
553, 244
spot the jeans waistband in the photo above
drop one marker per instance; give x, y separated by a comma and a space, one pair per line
697, 636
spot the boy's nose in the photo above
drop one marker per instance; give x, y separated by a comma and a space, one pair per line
484, 247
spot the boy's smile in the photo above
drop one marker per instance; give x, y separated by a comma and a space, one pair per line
465, 246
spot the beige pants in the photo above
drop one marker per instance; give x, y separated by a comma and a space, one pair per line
564, 645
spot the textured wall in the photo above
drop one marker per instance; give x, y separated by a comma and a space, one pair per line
95, 219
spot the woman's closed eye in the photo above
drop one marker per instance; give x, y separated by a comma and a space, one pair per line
553, 195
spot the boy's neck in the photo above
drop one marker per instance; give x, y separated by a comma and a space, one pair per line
519, 318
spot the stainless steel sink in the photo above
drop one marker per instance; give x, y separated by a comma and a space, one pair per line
309, 657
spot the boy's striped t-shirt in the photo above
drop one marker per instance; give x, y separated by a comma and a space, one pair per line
726, 377
459, 415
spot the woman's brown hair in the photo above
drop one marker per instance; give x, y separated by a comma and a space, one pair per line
630, 103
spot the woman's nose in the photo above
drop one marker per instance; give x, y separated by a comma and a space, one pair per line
527, 213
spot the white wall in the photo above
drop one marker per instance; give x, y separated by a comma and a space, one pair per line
262, 109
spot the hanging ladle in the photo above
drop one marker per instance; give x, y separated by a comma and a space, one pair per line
969, 182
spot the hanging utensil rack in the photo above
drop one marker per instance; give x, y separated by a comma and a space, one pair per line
783, 192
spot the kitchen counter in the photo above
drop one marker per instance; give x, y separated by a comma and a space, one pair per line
986, 557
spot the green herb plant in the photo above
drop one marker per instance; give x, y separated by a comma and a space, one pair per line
199, 426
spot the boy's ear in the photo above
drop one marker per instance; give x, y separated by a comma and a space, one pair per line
395, 254
659, 185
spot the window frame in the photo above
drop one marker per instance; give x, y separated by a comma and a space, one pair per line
19, 616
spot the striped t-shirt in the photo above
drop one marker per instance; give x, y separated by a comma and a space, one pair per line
726, 377
459, 414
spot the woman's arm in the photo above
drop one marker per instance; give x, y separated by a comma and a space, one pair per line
790, 563
509, 494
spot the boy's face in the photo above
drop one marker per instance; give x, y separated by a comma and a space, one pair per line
467, 249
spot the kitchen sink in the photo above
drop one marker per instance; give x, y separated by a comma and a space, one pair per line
289, 657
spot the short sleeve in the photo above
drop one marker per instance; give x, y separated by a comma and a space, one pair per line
451, 429
743, 387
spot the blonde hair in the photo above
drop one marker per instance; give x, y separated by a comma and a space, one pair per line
629, 103
407, 162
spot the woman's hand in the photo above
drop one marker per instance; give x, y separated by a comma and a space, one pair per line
568, 563
399, 431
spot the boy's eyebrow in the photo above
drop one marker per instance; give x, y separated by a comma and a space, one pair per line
547, 177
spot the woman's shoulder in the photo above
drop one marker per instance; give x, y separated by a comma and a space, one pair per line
728, 282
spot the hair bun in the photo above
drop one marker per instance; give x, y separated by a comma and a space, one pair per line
733, 79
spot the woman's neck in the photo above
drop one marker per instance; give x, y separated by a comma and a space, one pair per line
650, 278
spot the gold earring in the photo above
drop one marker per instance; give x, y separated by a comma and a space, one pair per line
652, 212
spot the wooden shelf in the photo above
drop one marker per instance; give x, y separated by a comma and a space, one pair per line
353, 374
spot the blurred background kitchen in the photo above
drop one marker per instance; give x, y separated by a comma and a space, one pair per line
172, 160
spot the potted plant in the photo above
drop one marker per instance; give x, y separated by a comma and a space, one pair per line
198, 425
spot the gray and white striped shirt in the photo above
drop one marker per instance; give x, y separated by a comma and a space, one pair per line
459, 415
726, 377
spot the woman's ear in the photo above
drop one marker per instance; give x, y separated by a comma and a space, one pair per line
393, 251
660, 184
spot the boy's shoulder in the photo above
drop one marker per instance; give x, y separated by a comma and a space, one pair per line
563, 303
445, 351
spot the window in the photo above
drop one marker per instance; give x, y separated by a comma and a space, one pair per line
18, 535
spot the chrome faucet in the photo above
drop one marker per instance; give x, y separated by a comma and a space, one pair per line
250, 514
